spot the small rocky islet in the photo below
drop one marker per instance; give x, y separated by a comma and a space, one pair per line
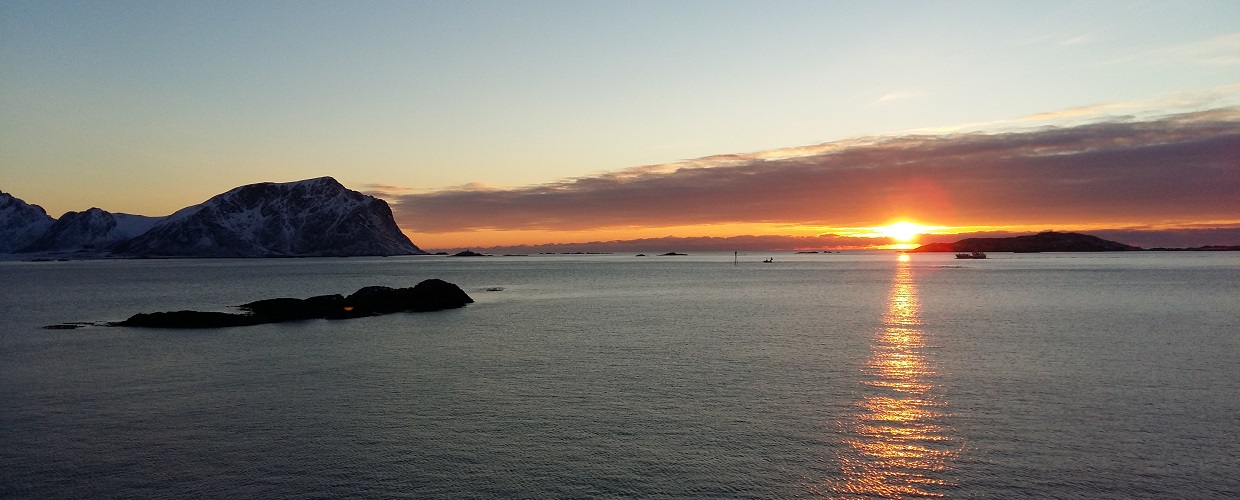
429, 295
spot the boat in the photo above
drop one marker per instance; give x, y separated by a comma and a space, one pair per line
971, 255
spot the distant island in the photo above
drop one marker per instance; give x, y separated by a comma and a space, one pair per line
1048, 241
1207, 248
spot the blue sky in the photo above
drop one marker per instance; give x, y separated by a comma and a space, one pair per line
145, 107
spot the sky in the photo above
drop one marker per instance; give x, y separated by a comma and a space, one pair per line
517, 124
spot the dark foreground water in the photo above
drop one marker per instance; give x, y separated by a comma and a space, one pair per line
818, 376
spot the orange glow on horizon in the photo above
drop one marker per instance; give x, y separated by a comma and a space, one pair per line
903, 232
866, 237
490, 238
886, 237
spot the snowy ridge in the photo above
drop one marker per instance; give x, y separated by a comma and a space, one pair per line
129, 225
20, 223
94, 230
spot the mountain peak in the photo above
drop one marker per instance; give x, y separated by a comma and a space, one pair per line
20, 223
311, 217
326, 180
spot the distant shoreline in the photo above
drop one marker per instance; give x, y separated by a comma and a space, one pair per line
11, 257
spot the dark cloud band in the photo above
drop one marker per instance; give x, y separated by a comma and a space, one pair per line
1176, 168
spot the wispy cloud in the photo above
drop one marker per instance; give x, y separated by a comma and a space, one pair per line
1217, 98
1077, 40
1060, 39
1223, 50
1218, 51
390, 189
1079, 112
899, 95
1176, 168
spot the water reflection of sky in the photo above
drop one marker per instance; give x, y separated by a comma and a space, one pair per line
897, 444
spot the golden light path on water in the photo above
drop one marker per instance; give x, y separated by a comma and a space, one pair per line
897, 445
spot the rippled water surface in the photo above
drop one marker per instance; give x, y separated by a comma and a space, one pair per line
864, 375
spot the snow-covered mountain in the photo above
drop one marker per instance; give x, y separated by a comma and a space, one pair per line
94, 230
20, 223
314, 217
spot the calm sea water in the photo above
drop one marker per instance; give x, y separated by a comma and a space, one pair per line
818, 376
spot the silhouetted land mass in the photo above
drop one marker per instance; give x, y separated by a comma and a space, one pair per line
1207, 248
429, 295
1049, 241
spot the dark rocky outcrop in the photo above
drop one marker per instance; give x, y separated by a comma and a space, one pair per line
1048, 241
190, 319
429, 295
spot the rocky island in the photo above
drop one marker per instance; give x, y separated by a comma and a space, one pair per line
1048, 241
429, 295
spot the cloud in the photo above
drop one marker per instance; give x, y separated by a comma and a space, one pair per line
392, 190
1219, 51
1217, 98
1093, 110
1173, 238
1077, 40
900, 95
389, 189
1175, 168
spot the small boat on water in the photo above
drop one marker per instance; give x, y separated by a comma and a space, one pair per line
971, 255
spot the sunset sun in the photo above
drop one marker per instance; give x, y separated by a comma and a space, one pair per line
903, 232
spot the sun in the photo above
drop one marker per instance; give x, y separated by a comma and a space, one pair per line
903, 232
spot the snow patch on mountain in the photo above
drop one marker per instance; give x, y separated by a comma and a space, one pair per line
132, 225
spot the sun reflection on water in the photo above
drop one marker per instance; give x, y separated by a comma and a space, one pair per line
897, 445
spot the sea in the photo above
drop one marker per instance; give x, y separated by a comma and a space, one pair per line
705, 376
